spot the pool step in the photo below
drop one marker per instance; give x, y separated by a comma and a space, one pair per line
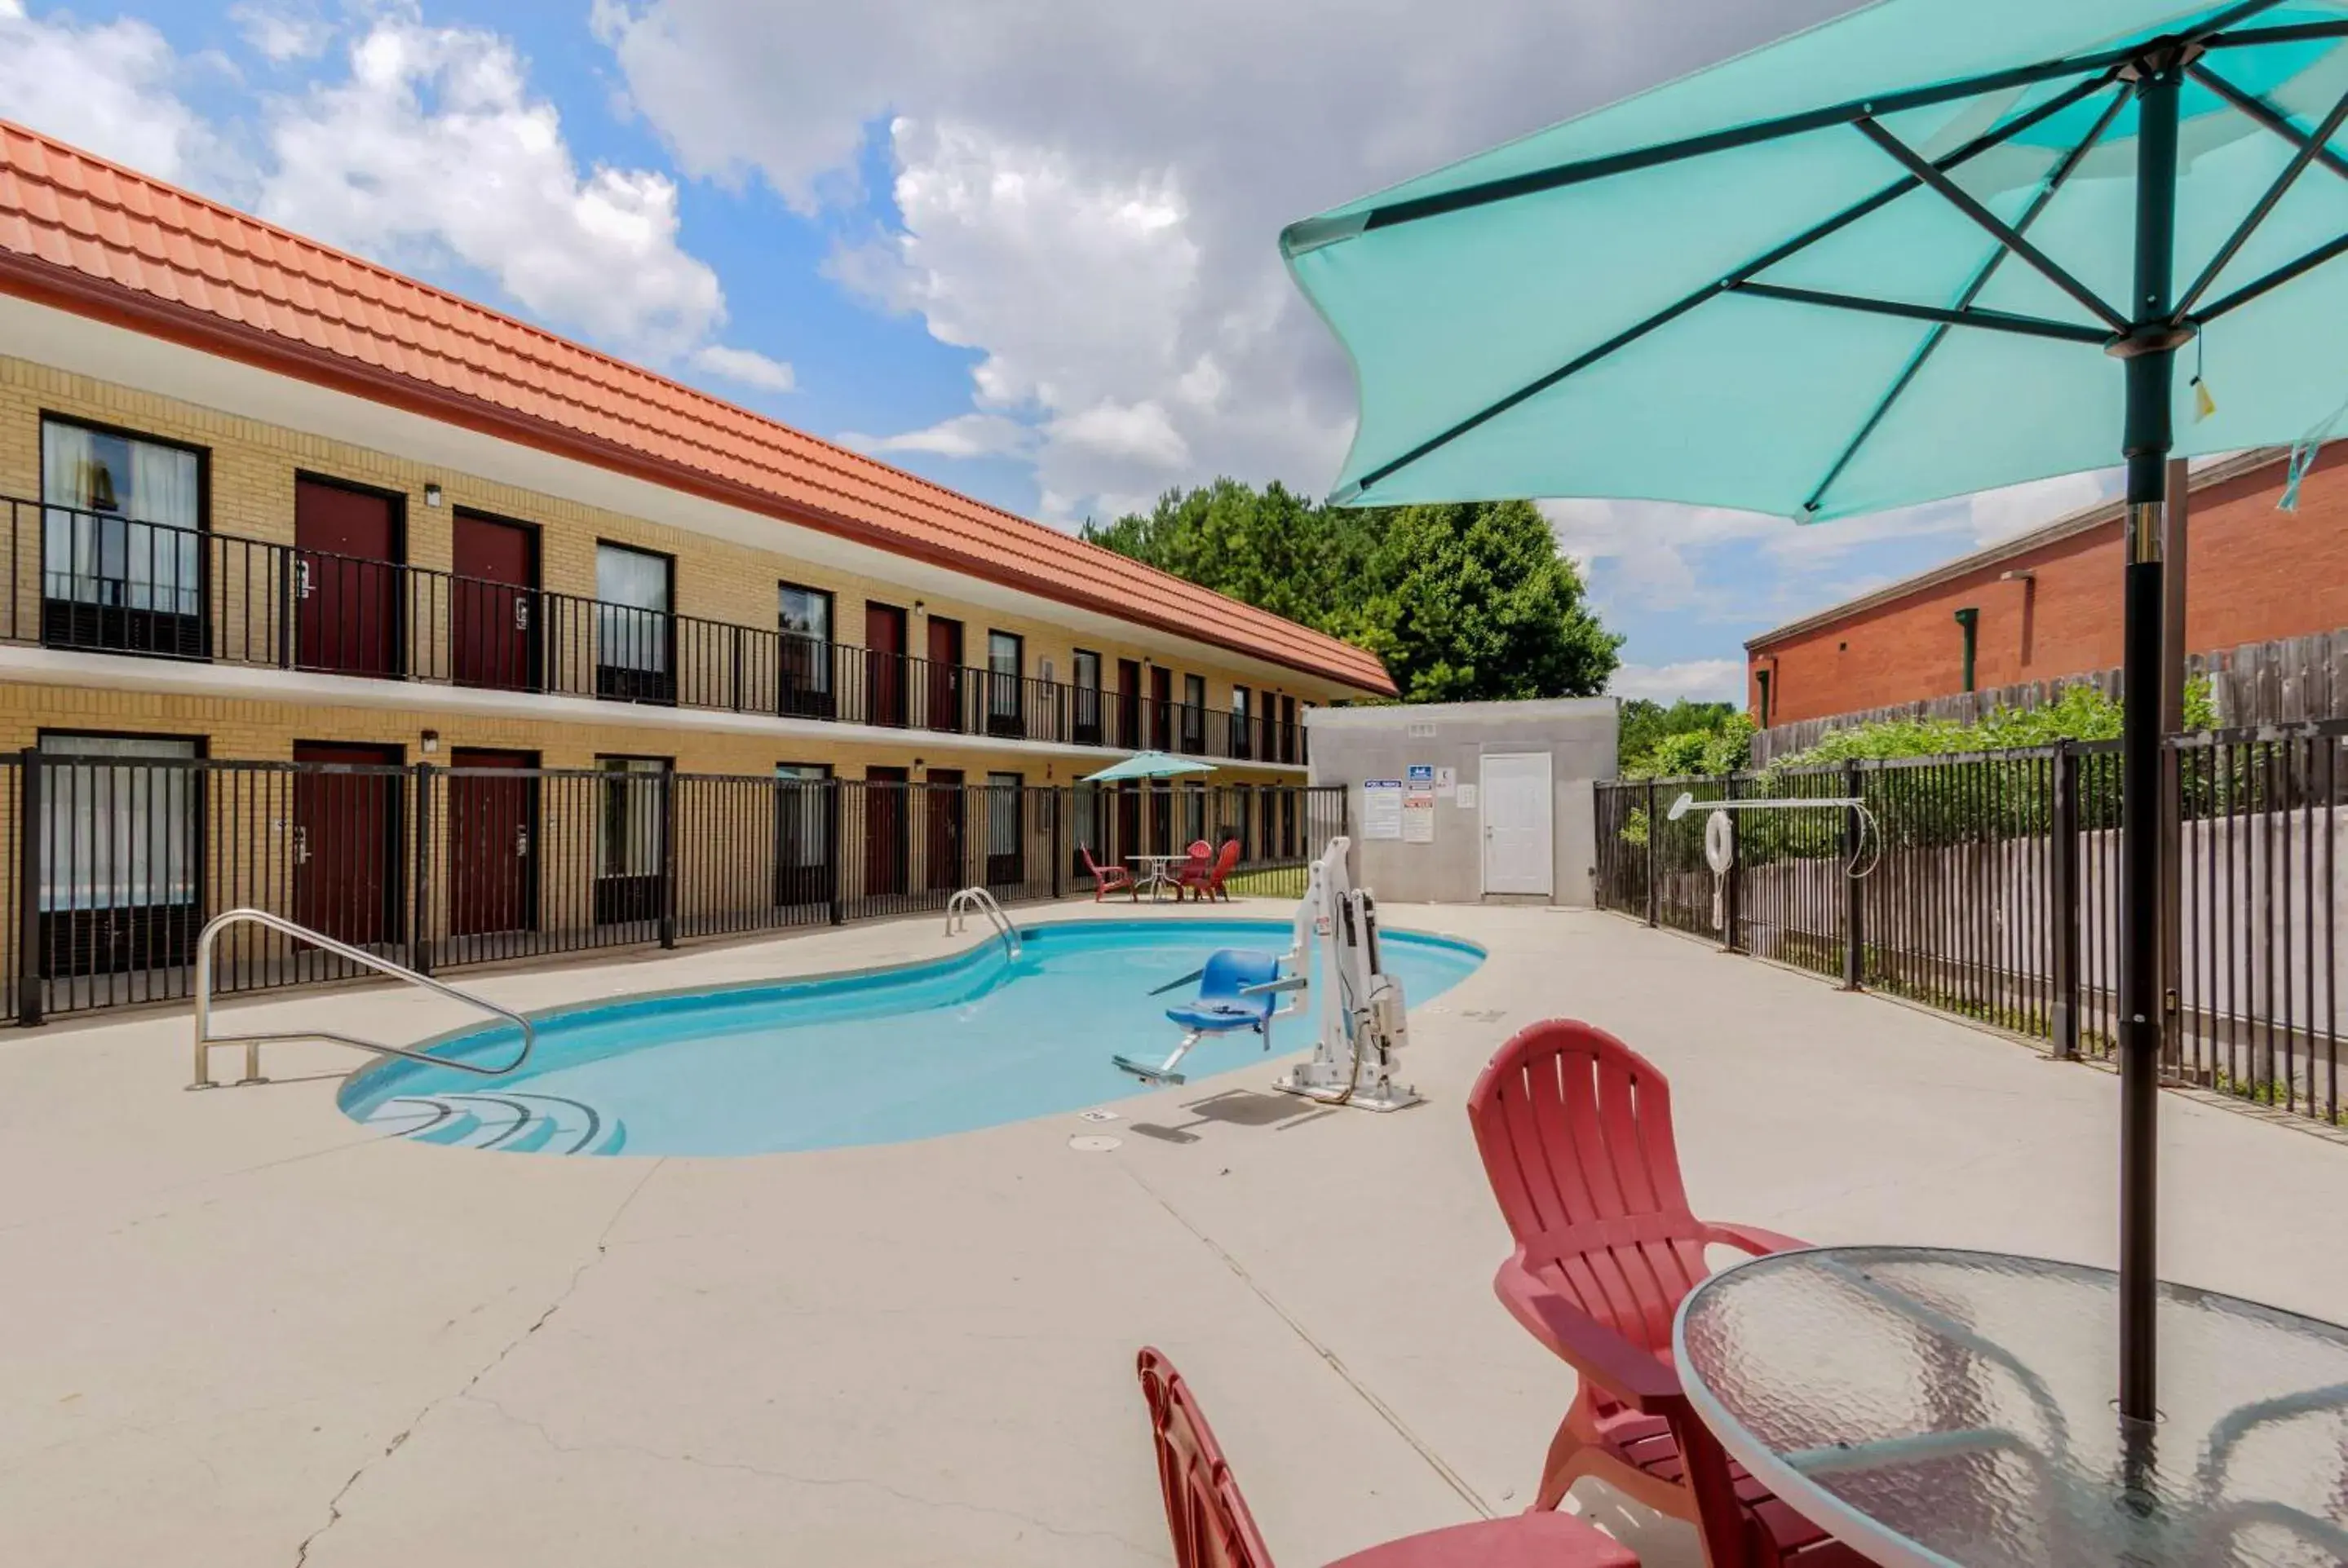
514, 1123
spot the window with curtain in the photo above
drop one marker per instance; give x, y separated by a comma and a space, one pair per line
630, 842
804, 618
1194, 712
121, 520
1239, 720
802, 816
1002, 791
118, 826
1006, 658
632, 621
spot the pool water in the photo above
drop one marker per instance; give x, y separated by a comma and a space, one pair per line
874, 1058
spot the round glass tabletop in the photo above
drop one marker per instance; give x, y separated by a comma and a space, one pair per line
1957, 1408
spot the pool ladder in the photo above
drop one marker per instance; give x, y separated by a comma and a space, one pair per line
959, 907
206, 1039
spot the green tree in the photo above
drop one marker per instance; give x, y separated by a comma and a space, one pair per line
1463, 602
1642, 725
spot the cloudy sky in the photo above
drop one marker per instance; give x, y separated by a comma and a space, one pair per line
1025, 247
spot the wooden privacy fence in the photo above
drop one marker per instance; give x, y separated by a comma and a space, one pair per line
1991, 889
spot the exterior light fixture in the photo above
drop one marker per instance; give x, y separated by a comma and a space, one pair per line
431, 495
431, 742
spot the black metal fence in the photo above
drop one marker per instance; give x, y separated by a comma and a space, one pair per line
1987, 886
101, 582
111, 864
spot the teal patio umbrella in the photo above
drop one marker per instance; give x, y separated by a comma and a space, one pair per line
1931, 247
1147, 766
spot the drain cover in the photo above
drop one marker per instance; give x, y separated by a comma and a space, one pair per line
1095, 1143
1097, 1114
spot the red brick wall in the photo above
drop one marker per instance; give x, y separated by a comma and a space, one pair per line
2255, 573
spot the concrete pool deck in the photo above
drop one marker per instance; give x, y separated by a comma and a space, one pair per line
244, 1330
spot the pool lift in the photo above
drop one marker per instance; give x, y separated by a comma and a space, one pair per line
1363, 1028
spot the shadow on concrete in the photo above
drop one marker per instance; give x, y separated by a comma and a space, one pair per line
1237, 1108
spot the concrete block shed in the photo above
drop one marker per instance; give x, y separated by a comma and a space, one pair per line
1458, 803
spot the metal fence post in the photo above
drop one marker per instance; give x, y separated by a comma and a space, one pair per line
28, 888
1654, 857
1731, 896
1059, 849
419, 916
1854, 899
668, 856
2063, 901
831, 843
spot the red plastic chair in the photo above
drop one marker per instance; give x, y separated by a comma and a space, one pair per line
1575, 1130
1212, 1528
1108, 880
1205, 878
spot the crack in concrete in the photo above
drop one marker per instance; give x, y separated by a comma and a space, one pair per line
603, 1247
1386, 1412
794, 1477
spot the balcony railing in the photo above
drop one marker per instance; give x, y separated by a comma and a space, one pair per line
99, 582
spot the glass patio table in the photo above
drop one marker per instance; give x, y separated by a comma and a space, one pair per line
1956, 1408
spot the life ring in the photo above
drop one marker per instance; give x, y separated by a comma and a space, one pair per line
1719, 843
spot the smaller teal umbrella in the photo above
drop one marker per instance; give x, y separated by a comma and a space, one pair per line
1148, 765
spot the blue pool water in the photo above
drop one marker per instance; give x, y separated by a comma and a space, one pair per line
875, 1058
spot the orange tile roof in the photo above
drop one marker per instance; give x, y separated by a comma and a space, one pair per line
93, 236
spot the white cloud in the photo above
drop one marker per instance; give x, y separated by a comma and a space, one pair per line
107, 87
747, 367
1088, 195
282, 34
1699, 680
963, 435
432, 151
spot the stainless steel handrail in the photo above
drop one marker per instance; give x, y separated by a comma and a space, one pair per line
206, 1039
959, 907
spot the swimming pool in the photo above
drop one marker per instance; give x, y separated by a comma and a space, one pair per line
880, 1057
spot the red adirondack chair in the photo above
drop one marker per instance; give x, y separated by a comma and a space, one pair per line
1212, 1528
1108, 880
1575, 1130
1205, 879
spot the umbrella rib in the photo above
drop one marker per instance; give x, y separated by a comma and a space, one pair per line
1995, 320
2267, 115
1915, 365
1962, 201
2327, 252
2309, 149
1768, 259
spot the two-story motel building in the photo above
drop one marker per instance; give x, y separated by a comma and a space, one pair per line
268, 501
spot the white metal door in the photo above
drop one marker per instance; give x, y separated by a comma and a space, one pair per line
1519, 812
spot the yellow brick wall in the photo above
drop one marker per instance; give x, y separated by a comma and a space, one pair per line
252, 466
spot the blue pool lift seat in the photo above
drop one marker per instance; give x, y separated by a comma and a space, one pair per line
1235, 993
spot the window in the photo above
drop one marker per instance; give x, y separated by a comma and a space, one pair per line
1006, 660
1194, 712
1004, 796
1240, 721
630, 864
803, 616
120, 841
802, 832
632, 624
1194, 812
121, 562
1085, 672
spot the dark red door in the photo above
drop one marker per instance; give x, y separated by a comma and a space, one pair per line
945, 675
1161, 709
492, 841
1128, 704
493, 604
884, 637
885, 837
346, 578
944, 796
347, 812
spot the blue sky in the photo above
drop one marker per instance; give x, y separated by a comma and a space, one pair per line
1030, 259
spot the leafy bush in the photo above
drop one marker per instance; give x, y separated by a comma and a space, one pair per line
2080, 714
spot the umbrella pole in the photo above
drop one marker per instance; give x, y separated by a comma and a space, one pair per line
2149, 353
